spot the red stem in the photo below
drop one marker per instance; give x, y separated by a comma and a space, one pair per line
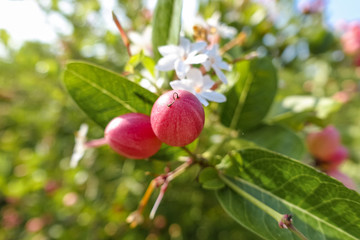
96, 143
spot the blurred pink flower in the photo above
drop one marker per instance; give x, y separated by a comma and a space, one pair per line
35, 224
10, 218
351, 38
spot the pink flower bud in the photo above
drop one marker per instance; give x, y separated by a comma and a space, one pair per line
177, 117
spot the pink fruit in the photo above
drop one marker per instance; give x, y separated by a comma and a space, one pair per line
131, 136
337, 157
177, 118
348, 182
323, 144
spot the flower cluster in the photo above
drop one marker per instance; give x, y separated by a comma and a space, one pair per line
325, 146
182, 59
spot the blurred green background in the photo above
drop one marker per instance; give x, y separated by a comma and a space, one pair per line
42, 198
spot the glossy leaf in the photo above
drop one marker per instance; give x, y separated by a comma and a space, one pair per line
103, 94
249, 100
278, 139
166, 24
322, 207
209, 179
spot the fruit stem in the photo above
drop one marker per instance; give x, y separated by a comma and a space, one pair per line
177, 96
191, 154
135, 217
159, 198
162, 180
237, 41
95, 143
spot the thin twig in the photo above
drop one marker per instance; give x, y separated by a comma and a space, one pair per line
124, 37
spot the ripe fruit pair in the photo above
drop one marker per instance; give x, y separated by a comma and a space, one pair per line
177, 118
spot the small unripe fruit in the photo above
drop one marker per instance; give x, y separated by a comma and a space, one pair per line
323, 144
131, 136
177, 118
337, 157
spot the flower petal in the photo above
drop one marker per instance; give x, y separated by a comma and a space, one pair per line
220, 74
214, 96
166, 63
79, 149
183, 84
226, 31
135, 38
168, 49
195, 75
185, 44
202, 100
221, 64
198, 46
207, 65
214, 19
207, 83
181, 68
196, 59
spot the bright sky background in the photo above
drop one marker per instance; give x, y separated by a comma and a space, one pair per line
24, 20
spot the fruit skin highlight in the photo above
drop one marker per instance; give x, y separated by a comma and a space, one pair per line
177, 118
131, 136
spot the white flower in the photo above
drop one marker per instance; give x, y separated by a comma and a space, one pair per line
149, 82
79, 149
141, 42
222, 29
215, 62
181, 57
200, 86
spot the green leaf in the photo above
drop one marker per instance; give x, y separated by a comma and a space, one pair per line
166, 24
249, 100
103, 94
140, 58
323, 208
296, 110
210, 180
278, 139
